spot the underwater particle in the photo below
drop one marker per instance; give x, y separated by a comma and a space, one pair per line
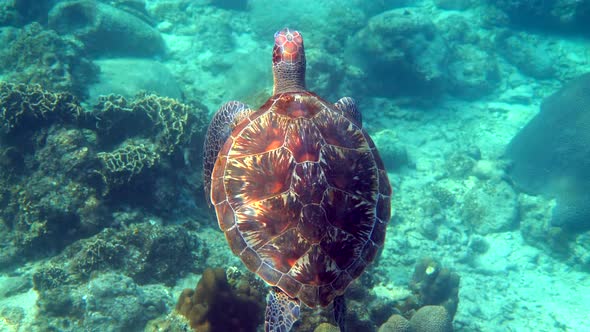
430, 270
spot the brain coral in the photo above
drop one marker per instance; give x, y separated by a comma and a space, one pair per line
396, 323
431, 318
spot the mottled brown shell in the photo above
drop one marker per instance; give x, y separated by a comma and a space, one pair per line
302, 196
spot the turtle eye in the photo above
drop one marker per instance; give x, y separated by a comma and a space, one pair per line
277, 34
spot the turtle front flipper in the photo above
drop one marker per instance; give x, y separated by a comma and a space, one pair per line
348, 106
281, 311
224, 121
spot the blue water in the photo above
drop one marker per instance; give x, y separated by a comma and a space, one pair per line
479, 110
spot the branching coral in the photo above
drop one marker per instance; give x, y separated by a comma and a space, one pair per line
128, 161
166, 125
169, 123
173, 122
29, 106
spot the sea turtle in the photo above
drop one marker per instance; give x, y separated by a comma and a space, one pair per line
299, 190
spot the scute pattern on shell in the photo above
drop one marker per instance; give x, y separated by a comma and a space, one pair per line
302, 196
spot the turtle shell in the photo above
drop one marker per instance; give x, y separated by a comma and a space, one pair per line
302, 196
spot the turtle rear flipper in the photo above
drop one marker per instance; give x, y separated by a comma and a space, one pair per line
340, 312
221, 126
348, 106
281, 311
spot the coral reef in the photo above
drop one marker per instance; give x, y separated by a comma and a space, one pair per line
216, 306
325, 327
556, 15
43, 57
136, 8
9, 15
48, 203
404, 52
64, 167
105, 30
117, 274
536, 228
170, 124
431, 318
529, 53
128, 161
27, 107
394, 154
146, 253
124, 307
396, 323
490, 207
552, 159
18, 12
173, 322
472, 73
432, 303
109, 302
145, 133
433, 284
147, 75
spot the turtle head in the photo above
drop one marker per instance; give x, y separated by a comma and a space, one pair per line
288, 61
